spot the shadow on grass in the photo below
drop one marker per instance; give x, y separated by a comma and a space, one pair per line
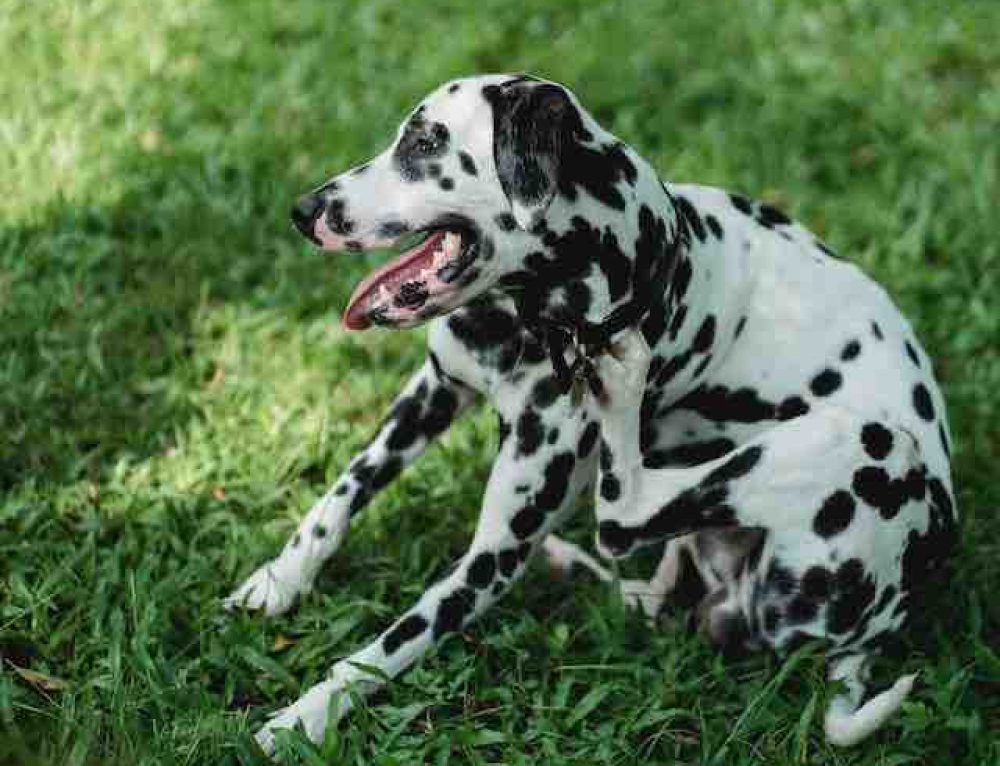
98, 308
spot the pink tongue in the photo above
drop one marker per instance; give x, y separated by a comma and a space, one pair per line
392, 274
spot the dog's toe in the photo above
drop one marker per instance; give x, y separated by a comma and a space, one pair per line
265, 590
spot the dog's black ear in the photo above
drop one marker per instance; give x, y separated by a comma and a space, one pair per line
530, 127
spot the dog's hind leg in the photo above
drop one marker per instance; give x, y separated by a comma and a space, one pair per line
428, 404
527, 496
848, 721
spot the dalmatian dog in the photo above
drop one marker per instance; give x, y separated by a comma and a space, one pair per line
720, 378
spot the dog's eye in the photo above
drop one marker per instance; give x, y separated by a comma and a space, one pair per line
426, 144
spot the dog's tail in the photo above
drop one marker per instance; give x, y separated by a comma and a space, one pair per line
847, 720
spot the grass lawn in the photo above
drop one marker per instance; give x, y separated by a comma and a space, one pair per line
175, 390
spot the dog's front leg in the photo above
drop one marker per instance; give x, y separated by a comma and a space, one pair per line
527, 496
426, 407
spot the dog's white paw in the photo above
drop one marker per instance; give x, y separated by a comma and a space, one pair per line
322, 705
311, 711
623, 369
268, 589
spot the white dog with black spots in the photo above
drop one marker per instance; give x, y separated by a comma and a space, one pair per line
726, 383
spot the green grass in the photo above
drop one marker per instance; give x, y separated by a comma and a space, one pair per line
175, 391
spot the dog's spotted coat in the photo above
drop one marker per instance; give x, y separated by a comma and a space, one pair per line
773, 417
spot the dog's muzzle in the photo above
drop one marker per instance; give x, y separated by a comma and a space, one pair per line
305, 213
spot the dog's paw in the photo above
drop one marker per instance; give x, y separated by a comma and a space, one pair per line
267, 589
312, 711
321, 706
623, 369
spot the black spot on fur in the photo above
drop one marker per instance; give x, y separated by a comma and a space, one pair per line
850, 351
588, 439
835, 515
372, 477
926, 552
922, 402
319, 531
494, 335
877, 440
854, 590
507, 561
540, 150
336, 218
557, 474
545, 392
420, 143
771, 216
816, 583
677, 320
673, 367
467, 163
944, 440
454, 87
736, 467
739, 327
611, 488
453, 610
705, 335
791, 408
530, 432
826, 382
691, 217
503, 427
702, 366
614, 264
407, 630
873, 485
506, 222
741, 203
682, 279
526, 521
877, 331
826, 248
714, 226
800, 610
481, 571
446, 183
720, 404
912, 353
686, 455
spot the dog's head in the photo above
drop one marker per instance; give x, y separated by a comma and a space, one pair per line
462, 194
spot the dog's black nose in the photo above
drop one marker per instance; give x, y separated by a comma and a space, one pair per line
305, 213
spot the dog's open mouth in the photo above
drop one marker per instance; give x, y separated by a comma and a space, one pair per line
411, 286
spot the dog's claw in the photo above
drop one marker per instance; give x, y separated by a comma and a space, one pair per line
265, 589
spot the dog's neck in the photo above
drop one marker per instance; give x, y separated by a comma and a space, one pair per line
594, 263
